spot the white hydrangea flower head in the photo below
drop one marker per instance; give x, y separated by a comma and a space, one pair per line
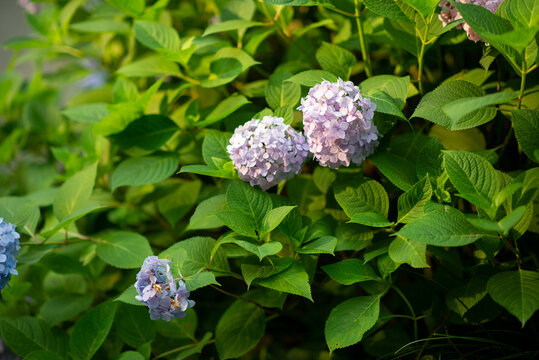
450, 13
337, 121
268, 151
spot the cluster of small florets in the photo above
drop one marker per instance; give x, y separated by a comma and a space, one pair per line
9, 248
157, 290
337, 122
268, 151
450, 13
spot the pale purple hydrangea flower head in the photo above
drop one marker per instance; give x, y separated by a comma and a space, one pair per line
450, 13
268, 151
9, 248
337, 122
158, 290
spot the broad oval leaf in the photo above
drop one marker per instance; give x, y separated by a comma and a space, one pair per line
239, 330
144, 170
157, 36
430, 106
350, 320
123, 249
443, 227
517, 291
91, 330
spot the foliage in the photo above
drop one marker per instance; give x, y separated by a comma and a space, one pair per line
115, 149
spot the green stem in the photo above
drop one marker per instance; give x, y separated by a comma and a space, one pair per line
362, 42
421, 56
401, 294
420, 68
522, 84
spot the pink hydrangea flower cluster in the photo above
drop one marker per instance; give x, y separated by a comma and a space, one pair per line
450, 13
337, 122
268, 151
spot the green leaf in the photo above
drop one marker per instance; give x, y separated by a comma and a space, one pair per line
214, 147
149, 67
20, 211
227, 172
402, 250
101, 25
459, 109
239, 330
280, 92
424, 7
196, 281
350, 271
144, 170
123, 249
250, 201
87, 113
366, 202
60, 308
411, 204
463, 298
118, 117
193, 255
128, 296
252, 268
266, 249
521, 13
386, 266
134, 326
323, 178
497, 31
134, 7
336, 60
238, 222
386, 8
223, 109
179, 202
148, 132
526, 125
322, 245
75, 192
397, 169
430, 106
430, 159
473, 176
226, 65
91, 331
517, 291
26, 334
204, 216
312, 77
293, 280
130, 355
230, 25
350, 320
157, 36
388, 92
124, 90
442, 227
273, 218
184, 354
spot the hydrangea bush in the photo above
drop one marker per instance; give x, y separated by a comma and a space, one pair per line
325, 179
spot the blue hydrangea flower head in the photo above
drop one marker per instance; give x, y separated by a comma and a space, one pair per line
9, 248
158, 290
268, 151
337, 121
